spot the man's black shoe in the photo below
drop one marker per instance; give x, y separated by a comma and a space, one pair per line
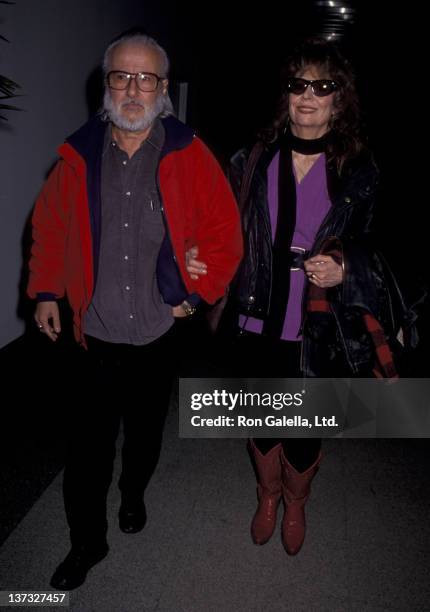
72, 572
132, 516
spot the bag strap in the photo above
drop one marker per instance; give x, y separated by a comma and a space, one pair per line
253, 158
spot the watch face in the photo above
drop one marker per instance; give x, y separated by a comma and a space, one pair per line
188, 309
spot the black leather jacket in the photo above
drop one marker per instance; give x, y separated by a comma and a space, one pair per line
347, 349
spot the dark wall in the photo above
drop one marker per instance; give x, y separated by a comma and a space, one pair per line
231, 42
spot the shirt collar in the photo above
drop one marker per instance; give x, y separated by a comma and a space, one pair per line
156, 135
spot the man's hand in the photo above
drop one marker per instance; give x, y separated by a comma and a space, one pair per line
323, 271
194, 267
178, 312
47, 317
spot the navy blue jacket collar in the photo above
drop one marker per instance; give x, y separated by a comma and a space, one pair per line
88, 139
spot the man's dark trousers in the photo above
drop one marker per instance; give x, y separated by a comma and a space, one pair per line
117, 382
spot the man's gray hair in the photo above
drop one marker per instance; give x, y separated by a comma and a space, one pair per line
144, 41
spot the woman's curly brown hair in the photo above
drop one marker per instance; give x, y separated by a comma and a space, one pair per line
346, 141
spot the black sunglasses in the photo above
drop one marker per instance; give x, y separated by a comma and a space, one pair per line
320, 87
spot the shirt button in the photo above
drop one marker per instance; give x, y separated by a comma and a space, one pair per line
124, 162
127, 288
131, 317
125, 224
128, 193
125, 256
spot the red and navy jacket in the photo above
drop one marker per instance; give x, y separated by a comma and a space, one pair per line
198, 207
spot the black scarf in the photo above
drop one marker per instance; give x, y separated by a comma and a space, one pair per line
285, 226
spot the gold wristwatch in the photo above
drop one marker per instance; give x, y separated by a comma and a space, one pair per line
187, 308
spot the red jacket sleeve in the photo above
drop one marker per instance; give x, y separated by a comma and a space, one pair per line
50, 224
217, 232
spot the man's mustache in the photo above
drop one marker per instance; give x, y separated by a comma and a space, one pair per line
131, 103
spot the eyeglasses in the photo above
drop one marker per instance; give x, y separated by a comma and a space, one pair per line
320, 87
145, 81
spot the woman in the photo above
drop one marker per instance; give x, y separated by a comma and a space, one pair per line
308, 179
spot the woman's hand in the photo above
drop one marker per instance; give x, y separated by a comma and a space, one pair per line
323, 271
194, 267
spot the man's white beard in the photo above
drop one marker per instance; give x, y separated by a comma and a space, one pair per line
138, 124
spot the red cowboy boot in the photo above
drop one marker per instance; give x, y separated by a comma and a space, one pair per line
269, 491
296, 488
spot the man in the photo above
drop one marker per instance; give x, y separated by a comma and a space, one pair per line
133, 191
